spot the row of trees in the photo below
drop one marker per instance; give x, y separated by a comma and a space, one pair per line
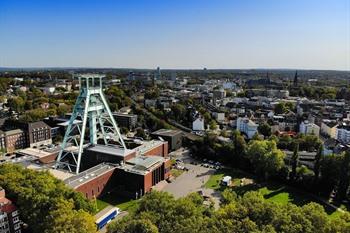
45, 203
160, 212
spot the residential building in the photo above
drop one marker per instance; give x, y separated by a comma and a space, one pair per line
329, 128
343, 133
9, 215
125, 120
48, 90
307, 127
2, 142
219, 94
198, 124
219, 116
247, 126
14, 140
39, 133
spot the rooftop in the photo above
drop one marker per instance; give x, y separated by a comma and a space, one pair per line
142, 164
89, 174
39, 153
167, 132
13, 132
145, 162
102, 214
59, 174
147, 146
117, 151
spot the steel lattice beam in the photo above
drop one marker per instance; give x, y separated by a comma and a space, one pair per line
91, 106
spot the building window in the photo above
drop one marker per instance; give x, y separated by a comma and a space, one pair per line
14, 213
17, 226
15, 219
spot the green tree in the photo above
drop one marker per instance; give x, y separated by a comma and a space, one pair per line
213, 125
295, 160
40, 197
239, 146
318, 159
265, 157
63, 218
264, 129
16, 104
178, 112
330, 172
63, 109
280, 108
344, 177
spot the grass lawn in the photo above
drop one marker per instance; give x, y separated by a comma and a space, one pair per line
214, 180
176, 172
125, 204
274, 192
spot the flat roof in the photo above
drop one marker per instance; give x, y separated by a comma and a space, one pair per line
14, 131
147, 146
142, 167
89, 174
22, 160
123, 114
66, 123
111, 150
167, 132
39, 153
145, 162
59, 174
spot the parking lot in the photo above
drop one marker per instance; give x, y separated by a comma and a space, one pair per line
192, 180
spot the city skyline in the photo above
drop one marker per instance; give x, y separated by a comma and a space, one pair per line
176, 35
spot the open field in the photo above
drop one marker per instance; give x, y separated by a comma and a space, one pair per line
278, 193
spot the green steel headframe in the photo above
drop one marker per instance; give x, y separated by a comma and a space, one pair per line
91, 112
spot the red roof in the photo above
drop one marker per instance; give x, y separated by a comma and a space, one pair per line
7, 205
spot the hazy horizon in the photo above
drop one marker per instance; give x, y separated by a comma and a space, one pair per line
193, 34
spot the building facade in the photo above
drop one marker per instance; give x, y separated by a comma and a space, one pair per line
198, 124
15, 139
343, 133
9, 215
247, 126
128, 121
307, 127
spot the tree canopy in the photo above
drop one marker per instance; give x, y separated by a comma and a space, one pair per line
161, 212
265, 157
45, 203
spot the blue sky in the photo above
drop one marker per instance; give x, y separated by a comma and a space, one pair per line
302, 34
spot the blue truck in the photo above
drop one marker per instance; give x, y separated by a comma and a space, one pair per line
105, 216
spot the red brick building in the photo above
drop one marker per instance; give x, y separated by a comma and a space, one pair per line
9, 215
131, 173
15, 139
